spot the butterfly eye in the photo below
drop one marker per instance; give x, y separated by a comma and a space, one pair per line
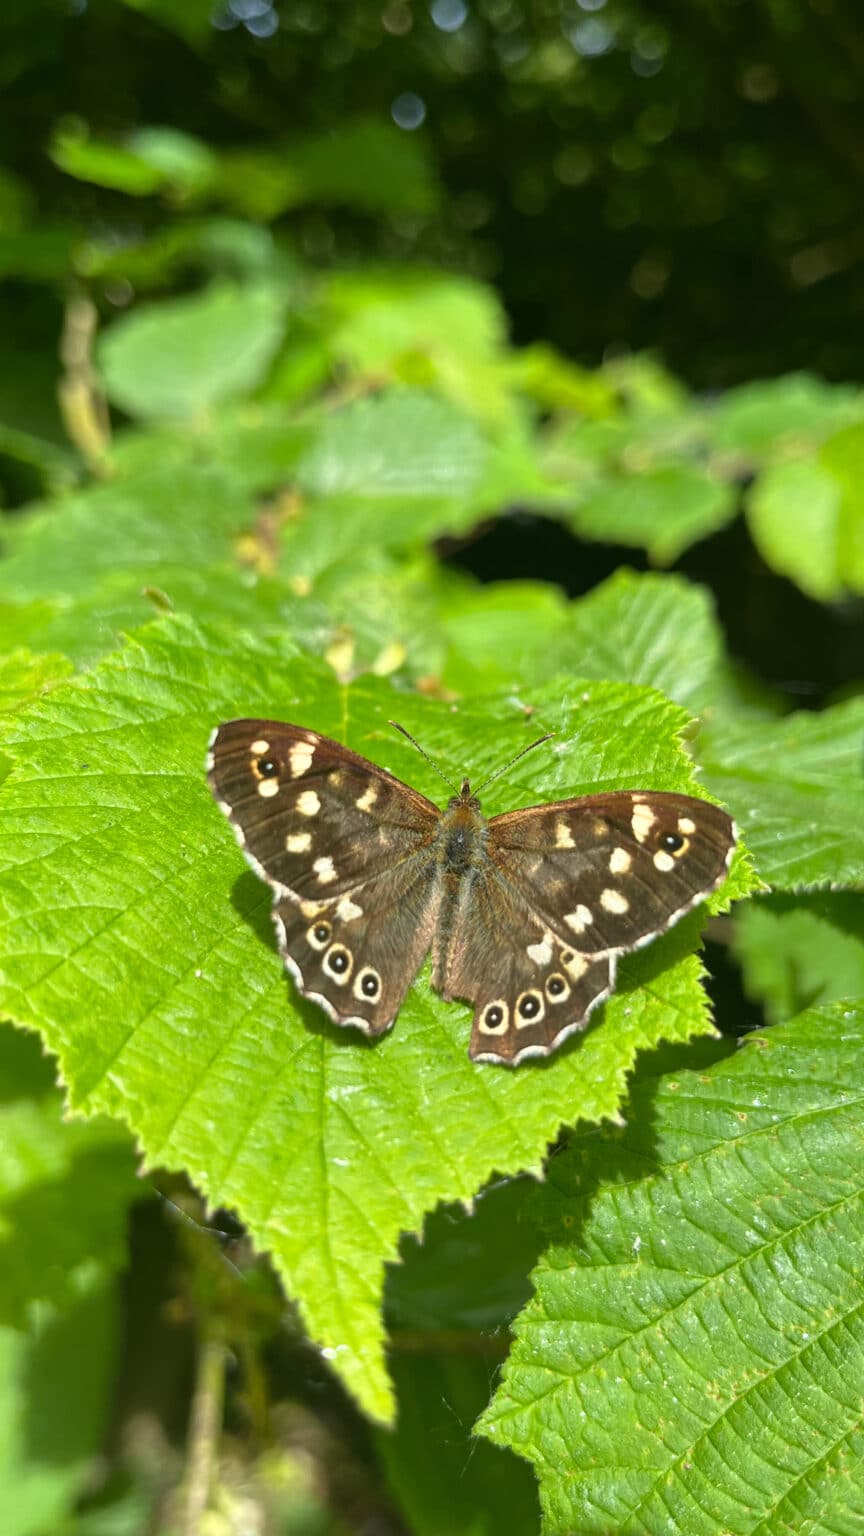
267, 767
672, 841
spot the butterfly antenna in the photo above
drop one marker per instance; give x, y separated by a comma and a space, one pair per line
397, 727
525, 750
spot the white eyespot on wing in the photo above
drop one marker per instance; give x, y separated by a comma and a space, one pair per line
614, 901
367, 986
338, 964
580, 919
298, 842
325, 869
347, 910
642, 820
663, 861
557, 989
574, 965
319, 935
308, 803
541, 953
267, 788
366, 801
686, 826
495, 1018
530, 1009
300, 758
619, 861
563, 835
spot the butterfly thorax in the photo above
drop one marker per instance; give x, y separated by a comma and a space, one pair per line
462, 833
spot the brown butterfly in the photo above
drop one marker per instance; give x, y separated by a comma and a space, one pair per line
526, 913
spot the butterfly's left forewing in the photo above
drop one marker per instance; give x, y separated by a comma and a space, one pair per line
345, 847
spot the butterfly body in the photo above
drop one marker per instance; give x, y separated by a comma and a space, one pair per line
525, 913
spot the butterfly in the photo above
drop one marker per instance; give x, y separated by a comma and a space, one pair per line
525, 913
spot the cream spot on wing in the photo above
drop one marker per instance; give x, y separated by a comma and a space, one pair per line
267, 788
579, 920
619, 861
347, 909
368, 798
300, 757
563, 835
298, 842
541, 953
258, 748
308, 803
664, 862
574, 965
312, 908
325, 869
613, 901
686, 826
642, 821
494, 1018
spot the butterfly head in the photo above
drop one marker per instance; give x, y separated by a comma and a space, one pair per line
464, 797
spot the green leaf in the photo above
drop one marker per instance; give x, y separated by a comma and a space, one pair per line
23, 673
105, 164
65, 1191
187, 355
399, 444
658, 630
801, 950
446, 1482
662, 510
796, 789
775, 418
448, 1307
55, 1392
425, 328
807, 517
368, 164
136, 939
172, 518
693, 1354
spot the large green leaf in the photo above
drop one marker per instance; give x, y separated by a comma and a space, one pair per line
807, 517
796, 788
795, 951
693, 1356
65, 1190
135, 938
187, 355
663, 509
